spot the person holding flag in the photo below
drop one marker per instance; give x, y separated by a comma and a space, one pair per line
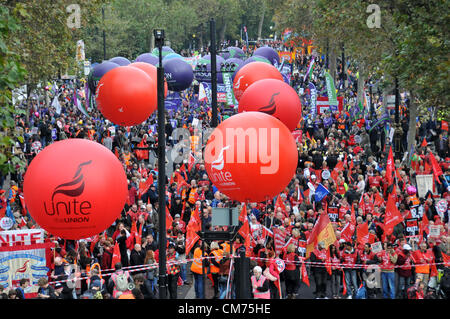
318, 259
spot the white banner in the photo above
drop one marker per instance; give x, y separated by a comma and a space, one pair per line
23, 237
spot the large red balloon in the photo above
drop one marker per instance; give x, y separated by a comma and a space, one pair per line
127, 96
275, 98
75, 188
152, 72
252, 72
251, 156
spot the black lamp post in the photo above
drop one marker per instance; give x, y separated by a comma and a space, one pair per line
159, 42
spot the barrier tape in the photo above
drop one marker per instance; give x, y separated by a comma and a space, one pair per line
138, 268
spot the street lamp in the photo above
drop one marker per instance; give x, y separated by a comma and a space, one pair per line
159, 42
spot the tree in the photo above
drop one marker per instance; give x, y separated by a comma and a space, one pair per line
12, 73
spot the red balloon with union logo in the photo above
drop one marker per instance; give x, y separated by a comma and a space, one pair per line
275, 98
126, 96
151, 71
75, 188
252, 72
251, 156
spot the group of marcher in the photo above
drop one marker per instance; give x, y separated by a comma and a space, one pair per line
350, 150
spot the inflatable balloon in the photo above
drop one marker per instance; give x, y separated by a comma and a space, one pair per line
98, 72
250, 60
179, 74
275, 98
252, 72
256, 58
203, 71
148, 58
126, 96
75, 188
219, 59
251, 156
120, 61
172, 56
233, 52
238, 64
268, 53
152, 72
165, 51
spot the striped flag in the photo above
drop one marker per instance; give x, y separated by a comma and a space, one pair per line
323, 231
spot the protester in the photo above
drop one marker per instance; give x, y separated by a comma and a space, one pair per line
350, 144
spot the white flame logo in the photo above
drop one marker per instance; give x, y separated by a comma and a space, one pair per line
219, 162
238, 83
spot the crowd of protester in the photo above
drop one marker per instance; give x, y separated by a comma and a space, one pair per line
410, 267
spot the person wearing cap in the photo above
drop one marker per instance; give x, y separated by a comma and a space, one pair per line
388, 259
404, 271
260, 284
58, 291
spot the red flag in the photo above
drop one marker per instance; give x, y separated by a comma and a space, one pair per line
347, 232
446, 259
144, 186
392, 216
305, 278
423, 226
344, 291
353, 215
191, 238
169, 219
362, 233
195, 221
379, 201
22, 202
243, 214
191, 162
424, 142
279, 203
139, 235
244, 231
437, 171
444, 126
116, 152
328, 262
390, 168
116, 255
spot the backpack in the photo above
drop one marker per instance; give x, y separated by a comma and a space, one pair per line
121, 282
361, 293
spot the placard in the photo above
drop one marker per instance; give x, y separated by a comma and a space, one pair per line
412, 227
424, 184
435, 231
376, 247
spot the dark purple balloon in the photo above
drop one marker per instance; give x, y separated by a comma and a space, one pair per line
98, 72
219, 59
120, 61
178, 73
233, 52
269, 53
148, 58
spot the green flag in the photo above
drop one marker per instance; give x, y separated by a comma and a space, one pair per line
331, 90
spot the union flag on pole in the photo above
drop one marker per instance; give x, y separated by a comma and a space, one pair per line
116, 258
392, 216
390, 168
323, 231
